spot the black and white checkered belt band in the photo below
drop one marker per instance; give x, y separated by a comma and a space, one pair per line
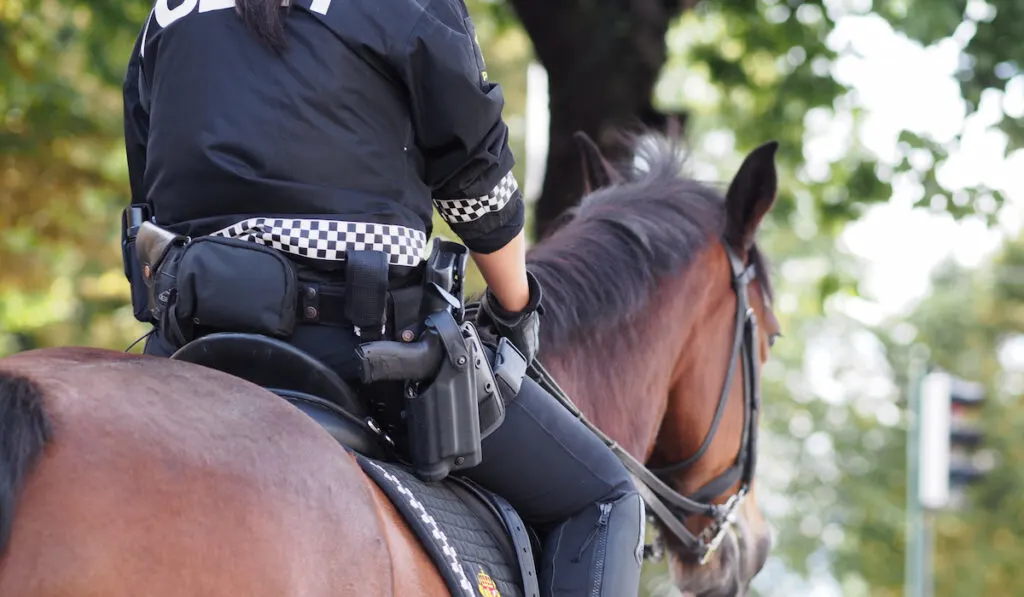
460, 211
330, 239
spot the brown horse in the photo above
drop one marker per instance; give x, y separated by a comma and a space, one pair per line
131, 475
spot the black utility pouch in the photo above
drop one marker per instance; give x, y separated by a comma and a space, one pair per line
238, 286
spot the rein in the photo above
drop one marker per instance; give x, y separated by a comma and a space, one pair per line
668, 505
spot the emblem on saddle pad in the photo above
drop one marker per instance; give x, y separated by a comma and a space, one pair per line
486, 585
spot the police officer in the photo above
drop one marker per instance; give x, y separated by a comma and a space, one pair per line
317, 127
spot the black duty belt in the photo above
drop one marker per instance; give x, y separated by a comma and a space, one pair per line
325, 298
321, 303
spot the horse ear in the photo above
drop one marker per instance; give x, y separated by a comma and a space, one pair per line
751, 194
597, 172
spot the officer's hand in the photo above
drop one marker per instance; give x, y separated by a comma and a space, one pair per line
522, 328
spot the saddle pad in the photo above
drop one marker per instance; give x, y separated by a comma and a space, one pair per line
458, 541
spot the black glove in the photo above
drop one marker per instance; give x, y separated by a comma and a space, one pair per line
523, 328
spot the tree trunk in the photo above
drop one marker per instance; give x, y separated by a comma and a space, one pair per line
603, 59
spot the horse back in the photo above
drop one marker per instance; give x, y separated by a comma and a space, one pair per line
139, 474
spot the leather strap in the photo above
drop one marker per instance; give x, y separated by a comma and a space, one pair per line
520, 538
511, 523
366, 281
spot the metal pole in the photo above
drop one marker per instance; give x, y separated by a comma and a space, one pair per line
927, 553
914, 563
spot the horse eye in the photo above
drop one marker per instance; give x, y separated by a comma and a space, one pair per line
772, 338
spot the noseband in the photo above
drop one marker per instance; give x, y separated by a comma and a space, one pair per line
669, 506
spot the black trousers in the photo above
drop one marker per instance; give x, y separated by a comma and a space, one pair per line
557, 474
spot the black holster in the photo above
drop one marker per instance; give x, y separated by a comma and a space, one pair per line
132, 218
443, 280
444, 418
158, 252
466, 400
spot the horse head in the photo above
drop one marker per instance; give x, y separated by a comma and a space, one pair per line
658, 319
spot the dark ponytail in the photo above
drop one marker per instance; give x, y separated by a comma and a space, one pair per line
265, 18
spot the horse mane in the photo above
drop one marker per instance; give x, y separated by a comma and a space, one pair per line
604, 264
25, 430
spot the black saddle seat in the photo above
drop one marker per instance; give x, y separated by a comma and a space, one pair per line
293, 375
272, 364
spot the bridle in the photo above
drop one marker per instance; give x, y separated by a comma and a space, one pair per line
669, 506
745, 349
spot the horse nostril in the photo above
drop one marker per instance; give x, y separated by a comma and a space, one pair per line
731, 589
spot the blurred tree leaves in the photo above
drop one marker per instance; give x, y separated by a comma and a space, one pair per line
846, 494
766, 64
62, 172
61, 164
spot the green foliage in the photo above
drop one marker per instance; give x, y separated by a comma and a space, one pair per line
62, 171
993, 55
964, 323
766, 68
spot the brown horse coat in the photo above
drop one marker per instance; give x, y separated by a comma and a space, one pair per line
227, 490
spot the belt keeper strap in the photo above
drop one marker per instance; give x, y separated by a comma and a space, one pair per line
366, 281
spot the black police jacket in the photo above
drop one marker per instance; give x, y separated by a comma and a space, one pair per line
374, 111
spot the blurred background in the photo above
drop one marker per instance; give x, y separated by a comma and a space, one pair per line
896, 243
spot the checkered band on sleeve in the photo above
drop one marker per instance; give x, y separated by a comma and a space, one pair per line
460, 211
330, 239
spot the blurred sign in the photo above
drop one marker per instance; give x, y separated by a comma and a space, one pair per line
950, 435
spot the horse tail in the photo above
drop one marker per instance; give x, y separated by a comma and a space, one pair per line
25, 429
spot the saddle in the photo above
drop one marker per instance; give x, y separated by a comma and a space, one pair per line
476, 539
